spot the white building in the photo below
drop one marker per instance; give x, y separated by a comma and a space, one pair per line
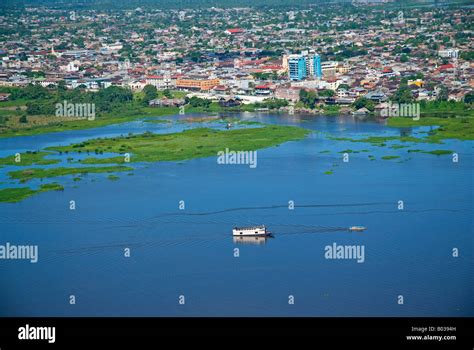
71, 67
159, 81
449, 53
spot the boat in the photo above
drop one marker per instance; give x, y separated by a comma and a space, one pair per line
250, 231
357, 228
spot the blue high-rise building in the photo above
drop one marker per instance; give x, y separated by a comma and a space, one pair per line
297, 67
318, 73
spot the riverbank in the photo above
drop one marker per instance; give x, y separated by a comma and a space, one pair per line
51, 123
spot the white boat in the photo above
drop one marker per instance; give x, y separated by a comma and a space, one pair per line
357, 228
250, 231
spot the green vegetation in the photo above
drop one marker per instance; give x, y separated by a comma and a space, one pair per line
439, 152
390, 157
309, 99
363, 102
149, 93
113, 177
331, 109
28, 158
198, 102
271, 103
12, 195
111, 160
398, 146
371, 157
36, 173
444, 109
122, 116
193, 143
158, 121
329, 172
449, 128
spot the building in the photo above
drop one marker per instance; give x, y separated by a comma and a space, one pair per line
376, 96
158, 81
449, 53
263, 90
329, 67
4, 96
234, 31
318, 73
167, 102
312, 65
288, 93
197, 83
229, 102
296, 67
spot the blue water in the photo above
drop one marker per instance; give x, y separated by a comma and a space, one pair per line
177, 252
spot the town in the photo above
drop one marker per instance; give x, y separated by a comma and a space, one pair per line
318, 59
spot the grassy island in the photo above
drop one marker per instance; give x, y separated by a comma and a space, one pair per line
448, 128
188, 144
28, 158
37, 173
12, 195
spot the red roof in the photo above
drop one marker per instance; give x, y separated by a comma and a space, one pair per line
446, 66
235, 30
154, 77
272, 67
262, 86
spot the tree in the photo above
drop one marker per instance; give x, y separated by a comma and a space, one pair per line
308, 98
33, 92
326, 93
442, 93
403, 95
198, 102
167, 93
403, 58
23, 119
150, 93
467, 55
364, 102
61, 85
469, 98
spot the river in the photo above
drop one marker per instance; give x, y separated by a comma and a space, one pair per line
128, 249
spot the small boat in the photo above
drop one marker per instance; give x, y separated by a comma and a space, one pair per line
357, 228
251, 231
